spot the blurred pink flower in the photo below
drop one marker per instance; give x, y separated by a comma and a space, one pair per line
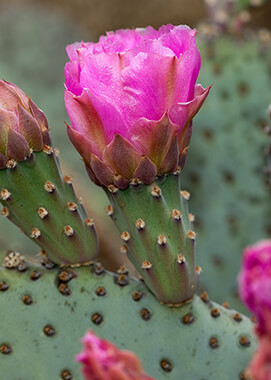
260, 366
131, 98
103, 361
23, 125
255, 290
255, 283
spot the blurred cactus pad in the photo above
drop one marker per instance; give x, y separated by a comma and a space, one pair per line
225, 168
44, 312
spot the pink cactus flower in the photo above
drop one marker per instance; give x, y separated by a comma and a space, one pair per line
255, 283
131, 98
255, 290
260, 366
103, 361
23, 126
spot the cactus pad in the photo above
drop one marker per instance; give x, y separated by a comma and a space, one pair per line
44, 313
43, 204
225, 168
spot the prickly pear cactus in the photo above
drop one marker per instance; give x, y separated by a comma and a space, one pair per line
45, 312
225, 169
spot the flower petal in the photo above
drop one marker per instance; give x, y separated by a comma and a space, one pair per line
81, 144
86, 120
183, 113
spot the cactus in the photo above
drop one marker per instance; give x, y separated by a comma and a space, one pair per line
45, 312
158, 236
225, 174
52, 216
137, 159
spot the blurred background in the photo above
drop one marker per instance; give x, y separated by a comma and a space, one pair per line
33, 36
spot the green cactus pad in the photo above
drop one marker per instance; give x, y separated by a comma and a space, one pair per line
225, 166
44, 314
158, 235
38, 200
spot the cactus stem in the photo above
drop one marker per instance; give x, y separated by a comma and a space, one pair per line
47, 149
160, 229
72, 206
109, 210
156, 191
5, 194
140, 224
125, 236
43, 213
35, 234
162, 240
176, 214
49, 187
146, 265
68, 230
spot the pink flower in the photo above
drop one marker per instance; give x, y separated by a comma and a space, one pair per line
255, 283
255, 290
104, 361
131, 98
23, 125
260, 366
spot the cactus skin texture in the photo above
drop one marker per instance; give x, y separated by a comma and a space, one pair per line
43, 318
43, 204
225, 169
158, 235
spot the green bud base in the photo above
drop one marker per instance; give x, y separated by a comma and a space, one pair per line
44, 205
158, 236
45, 313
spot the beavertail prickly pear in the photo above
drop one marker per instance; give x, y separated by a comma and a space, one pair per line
131, 99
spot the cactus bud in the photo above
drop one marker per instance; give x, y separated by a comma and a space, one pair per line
23, 126
131, 99
103, 361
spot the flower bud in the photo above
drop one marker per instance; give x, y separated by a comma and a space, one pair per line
131, 99
103, 361
23, 126
255, 284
